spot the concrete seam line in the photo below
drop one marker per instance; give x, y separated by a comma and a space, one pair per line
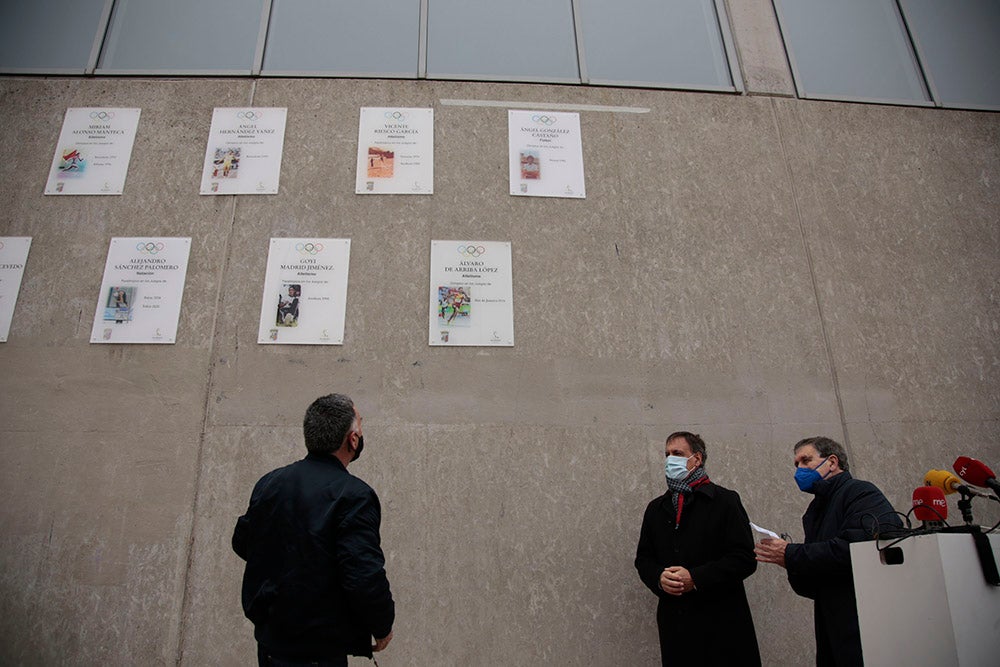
507, 104
813, 281
185, 603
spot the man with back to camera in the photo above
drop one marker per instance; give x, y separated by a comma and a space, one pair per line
695, 549
844, 510
315, 584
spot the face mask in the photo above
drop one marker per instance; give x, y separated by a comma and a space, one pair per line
806, 477
361, 445
676, 467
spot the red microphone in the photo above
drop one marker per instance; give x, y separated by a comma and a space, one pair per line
976, 473
929, 505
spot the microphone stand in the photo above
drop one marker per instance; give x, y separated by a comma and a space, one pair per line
965, 506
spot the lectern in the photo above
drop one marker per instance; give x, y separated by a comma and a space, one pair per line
934, 607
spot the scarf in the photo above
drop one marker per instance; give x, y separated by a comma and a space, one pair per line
681, 488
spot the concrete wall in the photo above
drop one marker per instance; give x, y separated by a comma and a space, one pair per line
756, 268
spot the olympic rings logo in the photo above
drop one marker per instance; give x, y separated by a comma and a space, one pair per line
102, 115
395, 115
544, 120
471, 250
309, 248
250, 115
149, 248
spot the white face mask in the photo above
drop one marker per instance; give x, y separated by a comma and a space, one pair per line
676, 467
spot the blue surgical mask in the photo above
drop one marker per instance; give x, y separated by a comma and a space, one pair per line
676, 467
807, 477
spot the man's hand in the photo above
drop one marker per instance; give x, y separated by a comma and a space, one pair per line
382, 643
676, 580
770, 550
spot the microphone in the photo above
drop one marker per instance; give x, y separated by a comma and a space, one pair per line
944, 480
976, 473
930, 506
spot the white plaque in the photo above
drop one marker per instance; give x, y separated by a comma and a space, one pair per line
395, 151
546, 154
13, 257
243, 156
471, 295
95, 146
305, 292
140, 298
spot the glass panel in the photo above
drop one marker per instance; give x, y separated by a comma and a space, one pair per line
514, 39
854, 49
959, 46
660, 42
183, 35
371, 37
49, 34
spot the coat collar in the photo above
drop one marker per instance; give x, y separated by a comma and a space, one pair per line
329, 459
708, 490
825, 488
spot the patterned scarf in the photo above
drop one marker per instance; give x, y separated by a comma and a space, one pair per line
681, 488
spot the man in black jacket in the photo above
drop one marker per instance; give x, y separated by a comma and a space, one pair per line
845, 510
315, 584
695, 549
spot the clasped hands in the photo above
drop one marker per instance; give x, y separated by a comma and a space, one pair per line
676, 580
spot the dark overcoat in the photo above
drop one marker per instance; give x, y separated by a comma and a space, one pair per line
845, 510
711, 625
315, 585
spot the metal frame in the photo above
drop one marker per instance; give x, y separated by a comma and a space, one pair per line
789, 56
265, 26
102, 33
721, 19
422, 42
729, 46
797, 76
911, 49
581, 55
258, 52
663, 86
502, 79
929, 78
328, 74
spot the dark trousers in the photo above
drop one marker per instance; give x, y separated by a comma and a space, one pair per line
264, 659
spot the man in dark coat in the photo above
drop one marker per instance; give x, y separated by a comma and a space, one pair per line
695, 549
845, 510
315, 585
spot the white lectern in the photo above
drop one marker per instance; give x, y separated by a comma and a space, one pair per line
934, 608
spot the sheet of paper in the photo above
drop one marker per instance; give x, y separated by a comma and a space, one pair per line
140, 297
305, 292
545, 154
93, 153
471, 293
13, 257
764, 531
395, 151
243, 155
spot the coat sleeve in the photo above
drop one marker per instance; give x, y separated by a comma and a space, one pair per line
244, 525
362, 564
862, 509
241, 535
646, 562
736, 559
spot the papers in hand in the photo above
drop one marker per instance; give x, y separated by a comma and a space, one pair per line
764, 531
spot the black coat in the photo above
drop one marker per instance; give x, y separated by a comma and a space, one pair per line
711, 625
845, 510
315, 584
